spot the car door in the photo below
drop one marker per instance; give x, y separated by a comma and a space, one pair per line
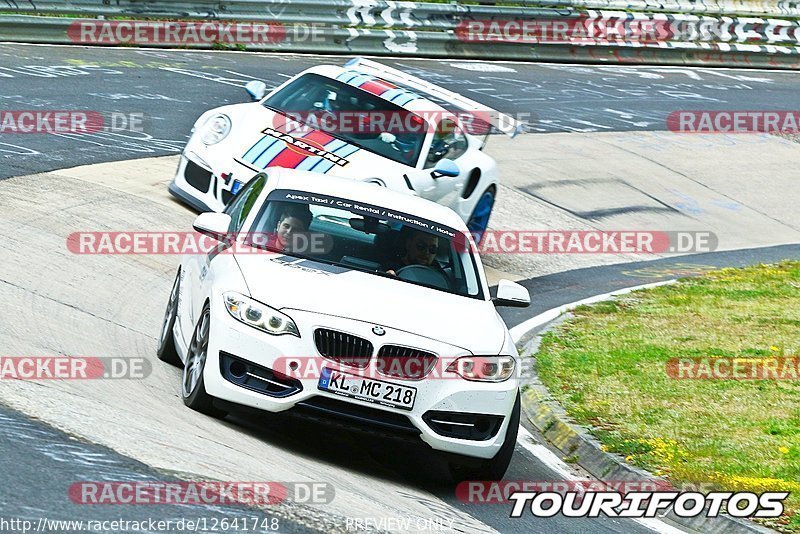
198, 273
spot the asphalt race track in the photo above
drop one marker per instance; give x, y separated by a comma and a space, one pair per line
43, 463
169, 90
172, 88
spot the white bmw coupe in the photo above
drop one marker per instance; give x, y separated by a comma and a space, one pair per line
334, 299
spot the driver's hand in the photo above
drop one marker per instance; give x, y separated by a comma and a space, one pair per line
387, 137
390, 271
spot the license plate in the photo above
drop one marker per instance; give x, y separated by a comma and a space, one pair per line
366, 389
237, 185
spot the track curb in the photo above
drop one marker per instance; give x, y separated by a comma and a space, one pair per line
578, 445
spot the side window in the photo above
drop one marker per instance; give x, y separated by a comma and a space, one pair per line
449, 142
241, 205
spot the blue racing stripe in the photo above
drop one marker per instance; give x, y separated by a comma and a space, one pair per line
324, 165
409, 97
358, 81
391, 94
257, 149
310, 162
399, 95
264, 159
343, 153
348, 75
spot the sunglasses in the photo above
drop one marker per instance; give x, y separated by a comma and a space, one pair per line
432, 249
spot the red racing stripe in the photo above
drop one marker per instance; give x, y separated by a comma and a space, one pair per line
290, 157
377, 87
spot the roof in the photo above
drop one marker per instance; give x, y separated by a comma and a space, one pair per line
400, 96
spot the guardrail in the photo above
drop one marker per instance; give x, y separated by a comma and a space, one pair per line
223, 8
341, 13
566, 31
757, 8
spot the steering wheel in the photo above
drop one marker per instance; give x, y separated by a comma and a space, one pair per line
327, 104
405, 148
424, 274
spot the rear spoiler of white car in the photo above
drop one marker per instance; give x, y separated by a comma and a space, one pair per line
505, 123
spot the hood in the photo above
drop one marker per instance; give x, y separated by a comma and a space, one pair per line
263, 139
287, 283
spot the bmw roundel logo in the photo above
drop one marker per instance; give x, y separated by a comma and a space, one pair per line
378, 331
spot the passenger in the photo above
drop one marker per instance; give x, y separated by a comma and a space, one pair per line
294, 219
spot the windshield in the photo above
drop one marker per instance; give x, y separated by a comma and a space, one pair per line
367, 238
353, 115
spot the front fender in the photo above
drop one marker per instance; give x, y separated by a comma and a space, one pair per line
472, 191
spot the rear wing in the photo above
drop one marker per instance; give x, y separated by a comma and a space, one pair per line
505, 123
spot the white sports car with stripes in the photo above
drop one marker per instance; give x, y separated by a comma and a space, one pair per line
362, 121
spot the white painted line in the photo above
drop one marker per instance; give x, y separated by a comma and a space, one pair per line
545, 455
545, 317
558, 466
541, 452
658, 526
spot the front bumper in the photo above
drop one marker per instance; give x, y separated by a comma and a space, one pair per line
440, 393
199, 185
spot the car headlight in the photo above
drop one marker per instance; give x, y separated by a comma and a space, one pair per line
484, 368
259, 315
215, 129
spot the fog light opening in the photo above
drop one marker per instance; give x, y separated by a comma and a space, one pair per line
482, 425
237, 369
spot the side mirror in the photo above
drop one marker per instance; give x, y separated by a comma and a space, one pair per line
511, 294
214, 225
446, 167
256, 89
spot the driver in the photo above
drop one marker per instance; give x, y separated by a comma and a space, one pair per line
419, 248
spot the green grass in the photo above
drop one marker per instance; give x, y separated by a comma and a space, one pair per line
607, 367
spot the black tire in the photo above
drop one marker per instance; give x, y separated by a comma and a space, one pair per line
495, 468
193, 389
166, 351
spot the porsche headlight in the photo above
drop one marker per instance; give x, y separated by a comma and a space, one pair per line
259, 315
215, 129
484, 368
